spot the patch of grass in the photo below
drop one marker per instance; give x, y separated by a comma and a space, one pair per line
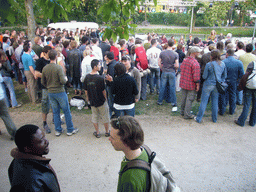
148, 107
236, 31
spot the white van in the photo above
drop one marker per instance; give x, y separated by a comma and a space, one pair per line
73, 25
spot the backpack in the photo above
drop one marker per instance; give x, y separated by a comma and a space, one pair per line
161, 179
78, 102
251, 81
141, 58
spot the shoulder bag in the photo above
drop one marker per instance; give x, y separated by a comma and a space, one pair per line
221, 86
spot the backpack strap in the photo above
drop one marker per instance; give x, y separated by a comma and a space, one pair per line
140, 164
151, 155
136, 164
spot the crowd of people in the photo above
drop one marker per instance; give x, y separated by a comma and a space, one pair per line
114, 76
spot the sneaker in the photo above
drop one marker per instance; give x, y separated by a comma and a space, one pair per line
174, 108
196, 120
73, 132
47, 129
159, 103
57, 133
17, 106
26, 90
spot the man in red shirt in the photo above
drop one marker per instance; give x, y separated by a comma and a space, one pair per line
189, 82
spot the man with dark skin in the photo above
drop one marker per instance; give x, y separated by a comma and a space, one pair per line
30, 170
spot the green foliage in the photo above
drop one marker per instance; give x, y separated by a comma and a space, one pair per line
116, 14
217, 13
162, 18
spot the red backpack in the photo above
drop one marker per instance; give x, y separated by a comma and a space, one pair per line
115, 51
141, 58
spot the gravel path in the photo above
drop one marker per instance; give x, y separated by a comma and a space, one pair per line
202, 157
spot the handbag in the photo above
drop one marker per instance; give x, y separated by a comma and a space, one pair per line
221, 86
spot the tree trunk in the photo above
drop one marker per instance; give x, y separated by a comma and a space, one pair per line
30, 19
242, 19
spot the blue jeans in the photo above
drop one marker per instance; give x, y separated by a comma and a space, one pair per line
130, 112
110, 101
60, 101
9, 85
208, 90
249, 96
4, 114
143, 93
239, 97
155, 72
228, 97
168, 77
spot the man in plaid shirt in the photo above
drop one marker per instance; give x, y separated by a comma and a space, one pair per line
189, 82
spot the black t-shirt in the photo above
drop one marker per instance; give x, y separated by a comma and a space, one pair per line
95, 85
40, 64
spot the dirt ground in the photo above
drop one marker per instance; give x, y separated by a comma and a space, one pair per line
202, 157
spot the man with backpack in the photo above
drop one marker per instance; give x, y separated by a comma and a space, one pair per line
123, 129
141, 170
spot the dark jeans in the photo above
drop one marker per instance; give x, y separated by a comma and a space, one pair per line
249, 96
110, 101
228, 97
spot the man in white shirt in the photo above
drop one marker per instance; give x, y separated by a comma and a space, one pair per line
240, 49
153, 56
96, 49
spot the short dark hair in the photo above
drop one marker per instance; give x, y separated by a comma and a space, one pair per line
94, 63
249, 48
227, 42
26, 47
46, 49
122, 42
130, 131
94, 40
170, 43
240, 45
48, 39
196, 40
5, 39
26, 42
220, 45
84, 39
52, 54
138, 41
125, 58
24, 136
66, 44
110, 55
120, 69
153, 41
230, 52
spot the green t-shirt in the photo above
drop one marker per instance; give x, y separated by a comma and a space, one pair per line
133, 180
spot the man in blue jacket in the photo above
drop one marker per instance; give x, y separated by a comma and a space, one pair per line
235, 71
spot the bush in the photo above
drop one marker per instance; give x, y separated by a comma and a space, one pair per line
161, 18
